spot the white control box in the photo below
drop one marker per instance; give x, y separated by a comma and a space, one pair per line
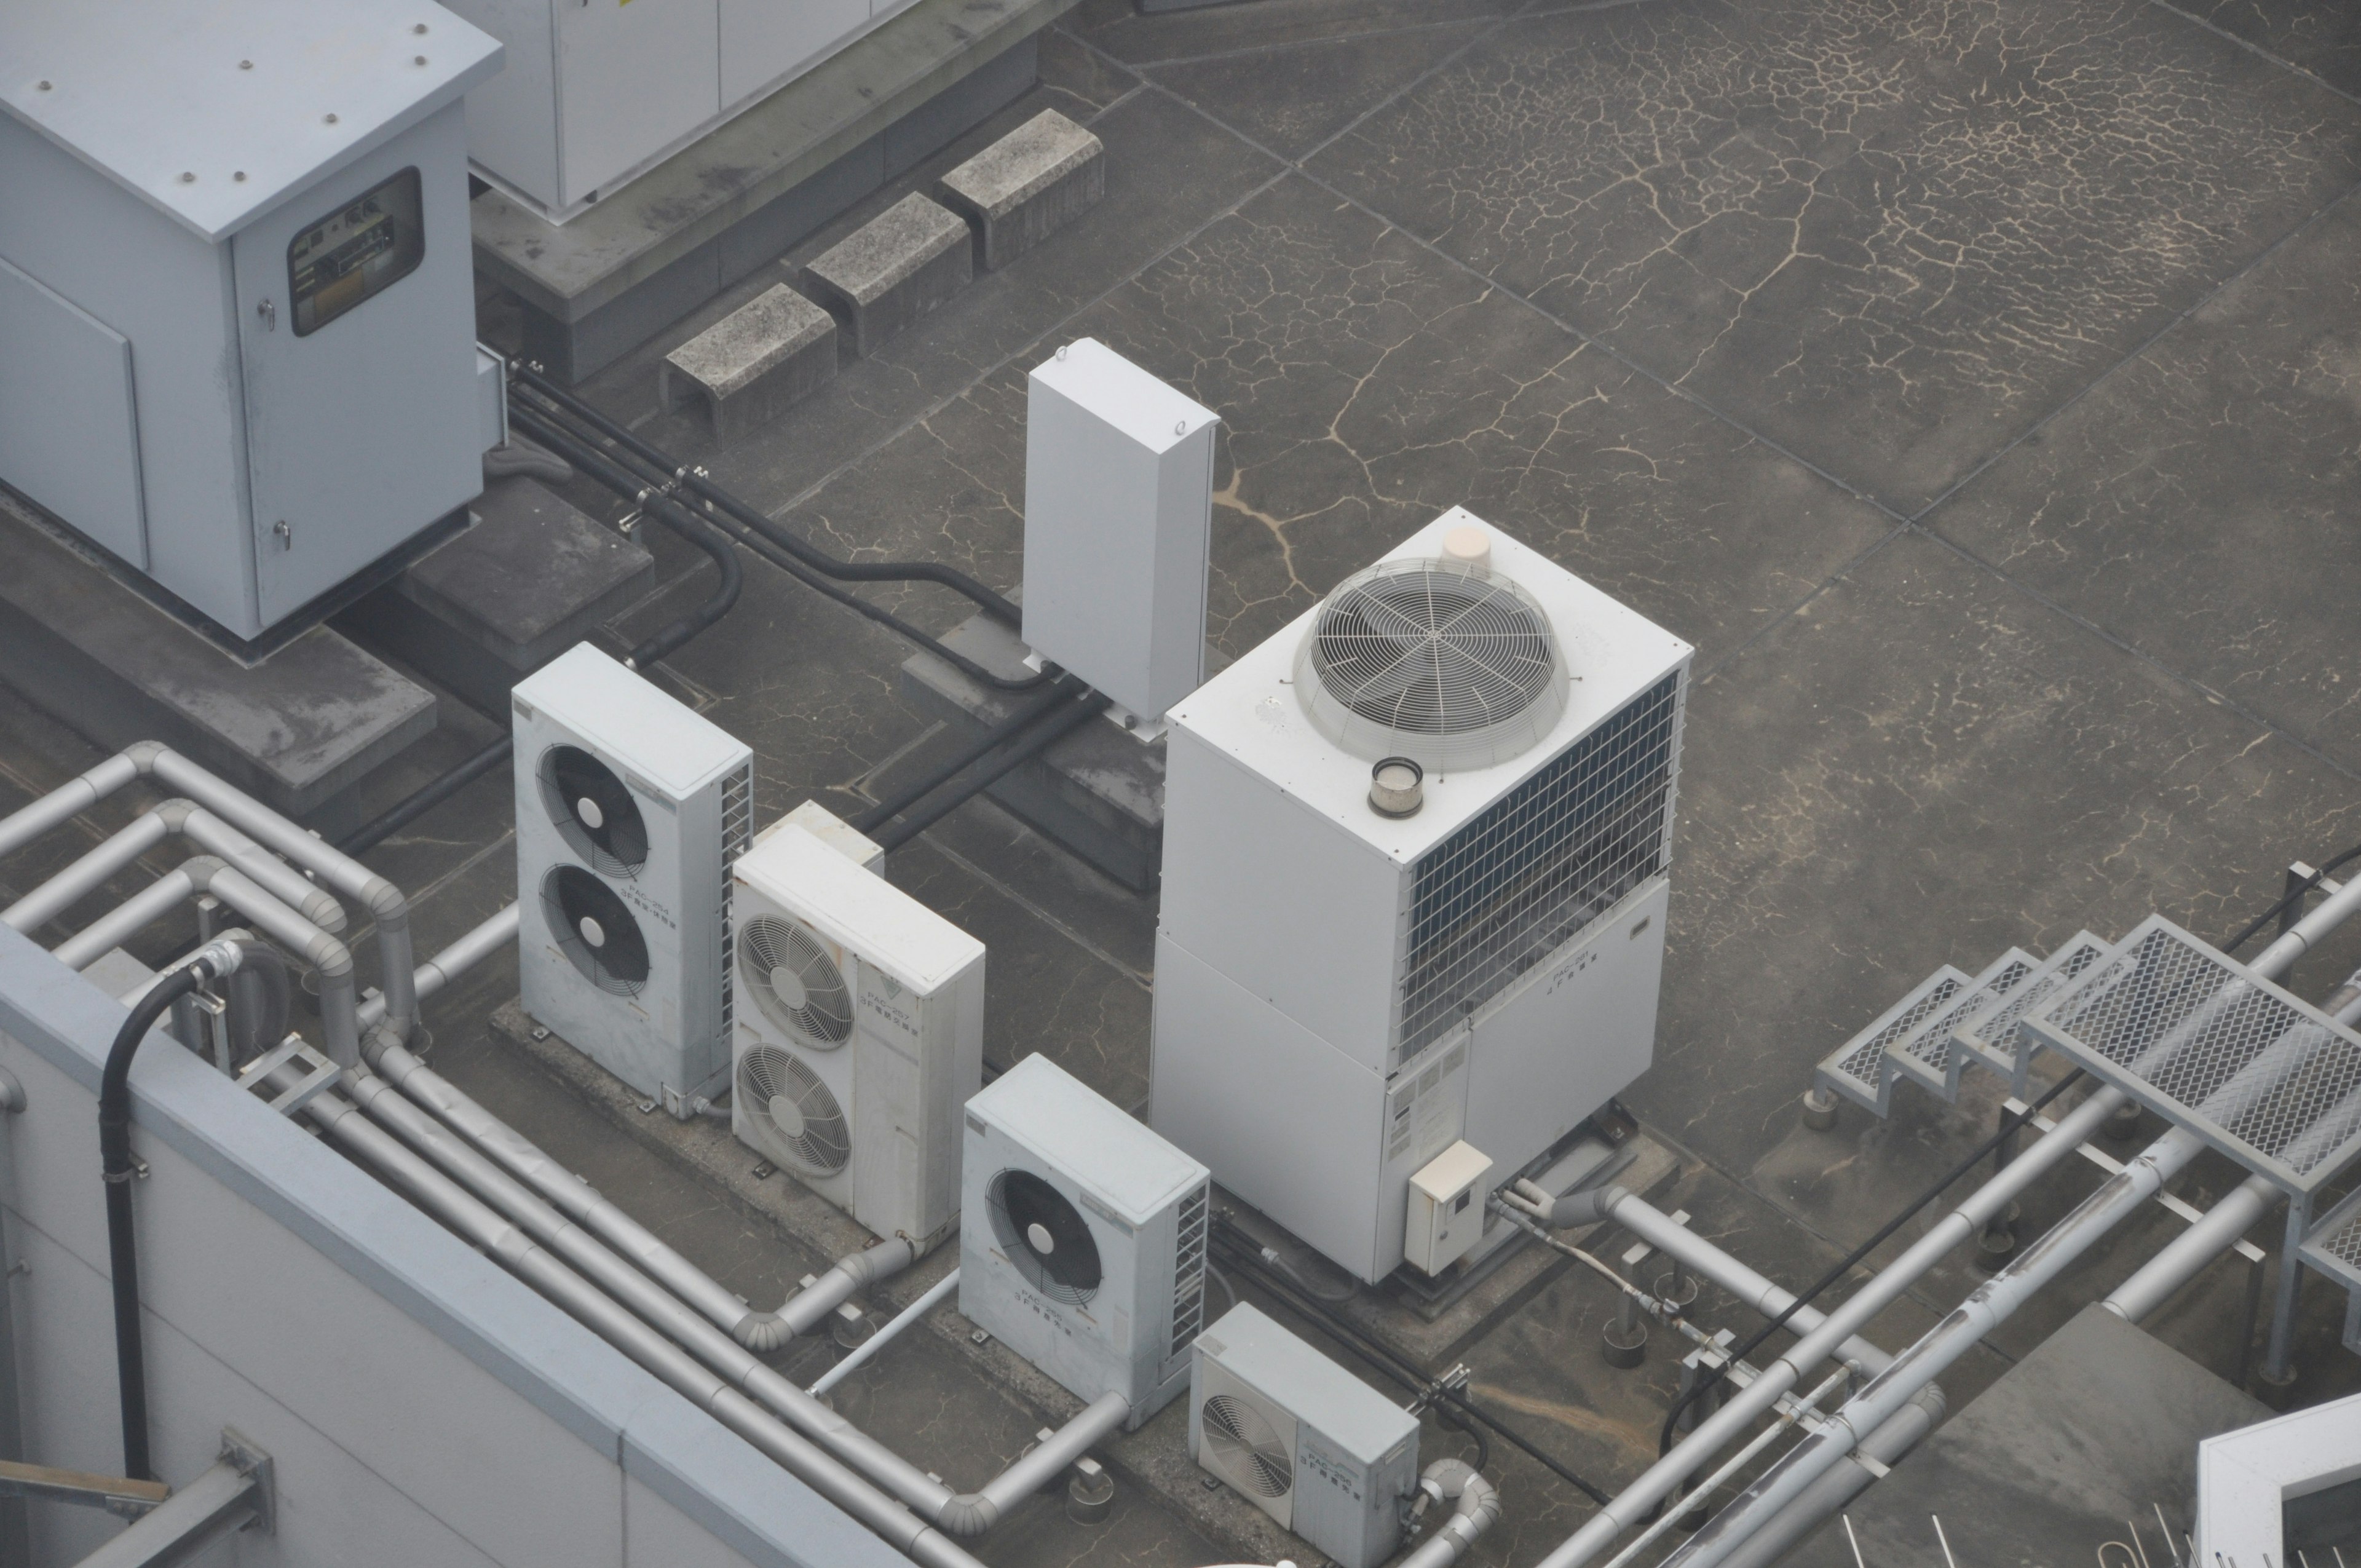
1446, 1207
1118, 526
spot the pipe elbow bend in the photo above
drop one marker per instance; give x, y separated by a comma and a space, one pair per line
968, 1514
142, 754
763, 1332
1587, 1208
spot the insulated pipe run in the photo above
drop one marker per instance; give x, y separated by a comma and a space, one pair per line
975, 1512
1739, 1411
452, 962
2162, 1276
1476, 1508
1885, 1446
1659, 1230
66, 802
146, 830
578, 1202
887, 1335
520, 1256
1991, 1304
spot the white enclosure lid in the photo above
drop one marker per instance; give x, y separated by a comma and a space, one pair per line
1061, 1119
794, 870
665, 743
149, 91
1098, 378
1450, 1172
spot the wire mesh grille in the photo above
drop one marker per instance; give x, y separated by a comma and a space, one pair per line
1929, 1054
1859, 1070
1541, 865
2335, 1245
1434, 660
737, 832
1189, 1272
2204, 1042
1998, 1037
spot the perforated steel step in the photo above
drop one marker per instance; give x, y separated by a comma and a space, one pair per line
2334, 1248
1929, 1053
1862, 1069
1997, 1037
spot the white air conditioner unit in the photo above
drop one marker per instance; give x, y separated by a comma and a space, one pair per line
1414, 853
1081, 1238
860, 1033
1313, 1446
629, 808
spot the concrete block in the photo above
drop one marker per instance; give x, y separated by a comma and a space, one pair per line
1027, 185
294, 728
532, 577
753, 364
894, 269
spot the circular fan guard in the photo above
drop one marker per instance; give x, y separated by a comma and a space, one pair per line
1439, 661
1247, 1446
593, 810
798, 1108
1024, 1206
795, 982
596, 930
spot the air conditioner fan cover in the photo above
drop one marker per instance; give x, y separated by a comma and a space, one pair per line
1044, 1237
596, 930
795, 980
795, 1108
593, 810
1246, 1448
1445, 662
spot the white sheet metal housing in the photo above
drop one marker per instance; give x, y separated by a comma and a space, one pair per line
1118, 521
1291, 916
1353, 1453
157, 157
1446, 1207
691, 784
1146, 1205
907, 1056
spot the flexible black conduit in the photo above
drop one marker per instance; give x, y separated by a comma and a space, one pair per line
1036, 740
668, 640
115, 1167
993, 737
659, 474
801, 548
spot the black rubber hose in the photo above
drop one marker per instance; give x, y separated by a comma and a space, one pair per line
667, 641
1034, 743
2009, 1125
2292, 899
993, 603
657, 477
993, 737
116, 1165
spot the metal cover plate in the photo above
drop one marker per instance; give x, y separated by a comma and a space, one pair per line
1997, 1037
2204, 1042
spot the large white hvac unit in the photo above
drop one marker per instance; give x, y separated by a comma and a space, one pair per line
237, 321
858, 1032
629, 809
597, 91
1414, 853
1312, 1446
1081, 1238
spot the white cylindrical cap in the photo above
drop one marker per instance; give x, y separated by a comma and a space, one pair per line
1470, 546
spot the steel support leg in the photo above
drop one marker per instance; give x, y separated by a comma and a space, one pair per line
2278, 1361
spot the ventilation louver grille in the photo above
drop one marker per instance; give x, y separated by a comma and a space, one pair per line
1189, 1272
737, 832
1432, 660
595, 929
803, 1118
1246, 1447
795, 982
1541, 864
1044, 1237
593, 811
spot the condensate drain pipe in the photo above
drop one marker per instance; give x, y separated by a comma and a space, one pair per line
1475, 1507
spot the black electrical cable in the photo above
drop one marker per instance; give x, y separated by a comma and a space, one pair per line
658, 477
116, 1166
668, 640
995, 737
2294, 897
993, 603
1035, 741
1246, 1257
2009, 1125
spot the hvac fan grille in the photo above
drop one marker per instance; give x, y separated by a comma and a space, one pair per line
1544, 862
1248, 1447
1189, 1272
819, 1139
2202, 1041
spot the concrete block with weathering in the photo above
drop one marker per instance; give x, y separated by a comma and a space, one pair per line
1028, 185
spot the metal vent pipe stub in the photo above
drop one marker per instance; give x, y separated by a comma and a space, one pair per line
1397, 788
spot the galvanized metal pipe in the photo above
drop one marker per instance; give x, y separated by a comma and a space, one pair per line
452, 962
65, 803
887, 1335
1885, 1446
2162, 1276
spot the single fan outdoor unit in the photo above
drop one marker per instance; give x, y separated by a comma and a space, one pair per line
1082, 1237
629, 807
1415, 852
858, 1031
1267, 1411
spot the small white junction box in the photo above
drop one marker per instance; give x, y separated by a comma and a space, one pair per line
1446, 1207
1118, 526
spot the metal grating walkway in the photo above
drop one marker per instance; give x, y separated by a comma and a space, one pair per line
1862, 1068
2207, 1044
1929, 1053
1998, 1039
2334, 1248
